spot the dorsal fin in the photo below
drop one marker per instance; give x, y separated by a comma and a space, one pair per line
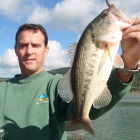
71, 52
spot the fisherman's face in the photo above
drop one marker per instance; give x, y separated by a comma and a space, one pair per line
31, 51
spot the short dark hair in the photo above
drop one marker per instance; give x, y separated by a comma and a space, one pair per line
35, 28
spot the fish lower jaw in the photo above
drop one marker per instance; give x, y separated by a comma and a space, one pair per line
112, 40
125, 24
108, 42
109, 39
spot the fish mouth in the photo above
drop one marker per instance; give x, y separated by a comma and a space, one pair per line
121, 17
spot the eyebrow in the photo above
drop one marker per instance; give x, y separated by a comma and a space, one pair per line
22, 42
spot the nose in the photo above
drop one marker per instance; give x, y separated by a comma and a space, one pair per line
29, 50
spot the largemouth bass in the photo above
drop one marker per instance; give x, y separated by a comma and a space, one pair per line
92, 60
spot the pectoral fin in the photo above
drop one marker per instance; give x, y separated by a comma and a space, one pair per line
118, 62
103, 99
103, 60
64, 87
109, 54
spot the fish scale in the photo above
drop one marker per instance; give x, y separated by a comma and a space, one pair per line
91, 62
82, 86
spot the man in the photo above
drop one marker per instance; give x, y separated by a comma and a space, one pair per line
30, 108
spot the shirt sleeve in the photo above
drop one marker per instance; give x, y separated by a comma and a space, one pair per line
117, 88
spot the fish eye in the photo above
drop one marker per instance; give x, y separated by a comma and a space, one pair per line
104, 15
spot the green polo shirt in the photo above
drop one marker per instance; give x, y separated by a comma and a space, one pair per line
31, 109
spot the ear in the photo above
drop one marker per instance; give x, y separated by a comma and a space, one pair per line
15, 50
46, 51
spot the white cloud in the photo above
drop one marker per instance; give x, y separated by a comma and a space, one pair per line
75, 15
131, 9
40, 15
78, 37
9, 72
15, 71
57, 58
9, 63
70, 12
16, 9
2, 73
9, 59
71, 15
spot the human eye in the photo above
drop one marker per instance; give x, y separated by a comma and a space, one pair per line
36, 45
23, 45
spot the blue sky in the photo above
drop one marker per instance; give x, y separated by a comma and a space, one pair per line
64, 21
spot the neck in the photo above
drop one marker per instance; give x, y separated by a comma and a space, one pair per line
28, 73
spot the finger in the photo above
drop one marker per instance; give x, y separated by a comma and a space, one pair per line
135, 20
134, 28
133, 35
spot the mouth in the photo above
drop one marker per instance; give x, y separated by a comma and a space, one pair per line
29, 60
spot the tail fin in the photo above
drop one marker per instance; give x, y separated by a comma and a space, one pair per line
74, 124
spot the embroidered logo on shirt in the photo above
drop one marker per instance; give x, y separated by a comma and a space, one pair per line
43, 98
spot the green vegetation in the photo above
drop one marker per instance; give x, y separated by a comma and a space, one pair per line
3, 79
60, 71
135, 86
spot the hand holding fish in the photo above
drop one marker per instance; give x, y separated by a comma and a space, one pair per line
131, 44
